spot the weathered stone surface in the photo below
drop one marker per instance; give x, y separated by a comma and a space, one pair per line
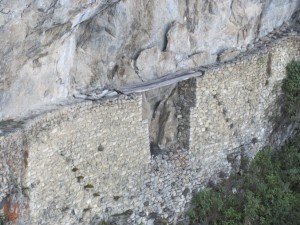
159, 108
179, 40
198, 59
228, 54
153, 63
52, 49
272, 15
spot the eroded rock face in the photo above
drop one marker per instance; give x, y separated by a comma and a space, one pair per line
153, 63
159, 108
51, 49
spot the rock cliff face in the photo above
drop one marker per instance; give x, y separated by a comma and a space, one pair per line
52, 49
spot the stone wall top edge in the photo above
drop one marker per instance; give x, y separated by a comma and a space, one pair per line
247, 56
67, 109
87, 104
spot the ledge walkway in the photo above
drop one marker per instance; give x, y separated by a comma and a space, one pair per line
162, 81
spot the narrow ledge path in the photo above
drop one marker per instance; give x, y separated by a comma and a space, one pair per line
162, 81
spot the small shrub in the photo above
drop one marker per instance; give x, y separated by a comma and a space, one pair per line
88, 186
116, 198
291, 88
267, 193
4, 123
100, 148
87, 209
80, 178
75, 169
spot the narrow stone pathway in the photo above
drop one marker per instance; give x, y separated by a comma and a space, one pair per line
162, 81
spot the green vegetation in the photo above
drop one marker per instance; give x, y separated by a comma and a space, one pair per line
3, 220
4, 123
96, 194
100, 148
291, 88
80, 178
87, 209
75, 169
116, 198
88, 186
8, 125
268, 193
106, 223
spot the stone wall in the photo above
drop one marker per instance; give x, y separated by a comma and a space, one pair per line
90, 161
82, 160
234, 104
88, 152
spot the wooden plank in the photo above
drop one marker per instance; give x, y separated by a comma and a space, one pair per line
161, 82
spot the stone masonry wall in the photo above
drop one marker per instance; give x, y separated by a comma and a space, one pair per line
90, 161
83, 160
231, 114
97, 162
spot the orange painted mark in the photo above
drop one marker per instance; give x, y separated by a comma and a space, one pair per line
13, 214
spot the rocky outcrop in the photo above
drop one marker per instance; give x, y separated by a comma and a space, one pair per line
52, 49
159, 108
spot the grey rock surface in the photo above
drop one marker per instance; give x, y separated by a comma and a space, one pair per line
228, 54
52, 49
159, 108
